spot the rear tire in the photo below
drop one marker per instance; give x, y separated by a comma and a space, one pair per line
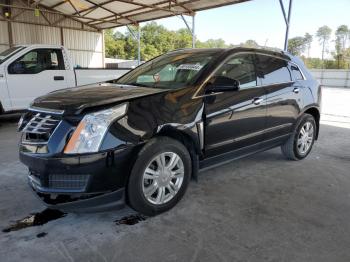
159, 177
300, 143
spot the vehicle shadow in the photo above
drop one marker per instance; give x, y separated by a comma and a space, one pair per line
9, 118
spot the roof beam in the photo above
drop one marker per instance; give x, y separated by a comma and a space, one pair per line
189, 10
165, 9
76, 18
149, 11
140, 11
32, 23
45, 18
58, 4
59, 20
142, 6
75, 9
18, 14
88, 12
36, 2
153, 6
48, 10
92, 8
114, 13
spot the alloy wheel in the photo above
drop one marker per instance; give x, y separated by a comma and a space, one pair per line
162, 178
305, 138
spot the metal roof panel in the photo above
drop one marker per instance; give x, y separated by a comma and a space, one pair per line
113, 13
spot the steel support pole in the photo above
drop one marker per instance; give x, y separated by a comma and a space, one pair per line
283, 12
288, 25
103, 46
10, 34
139, 45
193, 31
287, 20
138, 39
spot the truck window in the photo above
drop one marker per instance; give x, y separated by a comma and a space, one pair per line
37, 61
9, 52
272, 70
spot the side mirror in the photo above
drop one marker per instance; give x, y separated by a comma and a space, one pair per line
222, 84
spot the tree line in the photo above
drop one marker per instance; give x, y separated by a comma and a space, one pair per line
300, 46
156, 40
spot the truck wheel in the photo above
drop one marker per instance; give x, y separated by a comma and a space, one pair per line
300, 143
159, 177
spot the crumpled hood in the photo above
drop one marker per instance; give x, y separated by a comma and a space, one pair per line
75, 99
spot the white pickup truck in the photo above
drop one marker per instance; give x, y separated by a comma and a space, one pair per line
29, 71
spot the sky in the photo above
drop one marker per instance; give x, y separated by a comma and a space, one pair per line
262, 21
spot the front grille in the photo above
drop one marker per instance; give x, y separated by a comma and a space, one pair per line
58, 182
68, 182
38, 127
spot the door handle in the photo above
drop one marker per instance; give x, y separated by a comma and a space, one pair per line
257, 100
296, 90
58, 78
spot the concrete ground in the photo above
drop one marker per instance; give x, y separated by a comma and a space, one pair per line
261, 208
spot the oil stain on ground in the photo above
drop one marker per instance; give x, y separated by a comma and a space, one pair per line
36, 219
42, 234
130, 220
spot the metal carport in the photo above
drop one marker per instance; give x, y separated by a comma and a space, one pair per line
97, 15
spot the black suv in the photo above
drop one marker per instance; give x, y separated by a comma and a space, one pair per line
140, 139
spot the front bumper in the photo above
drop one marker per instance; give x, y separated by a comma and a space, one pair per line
82, 182
93, 203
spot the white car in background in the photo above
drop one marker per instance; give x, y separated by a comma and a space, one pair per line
29, 71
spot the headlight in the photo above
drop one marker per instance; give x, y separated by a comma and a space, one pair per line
91, 130
20, 123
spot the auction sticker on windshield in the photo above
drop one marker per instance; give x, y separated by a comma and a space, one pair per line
195, 67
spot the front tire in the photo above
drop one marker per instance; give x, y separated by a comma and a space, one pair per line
160, 176
300, 143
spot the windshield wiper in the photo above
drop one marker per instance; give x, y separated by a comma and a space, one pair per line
133, 84
140, 85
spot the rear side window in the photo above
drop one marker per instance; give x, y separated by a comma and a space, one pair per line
272, 70
38, 60
297, 75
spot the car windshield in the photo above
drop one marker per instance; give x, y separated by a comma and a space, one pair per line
169, 71
4, 55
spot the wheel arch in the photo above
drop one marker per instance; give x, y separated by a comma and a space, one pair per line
315, 112
188, 141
